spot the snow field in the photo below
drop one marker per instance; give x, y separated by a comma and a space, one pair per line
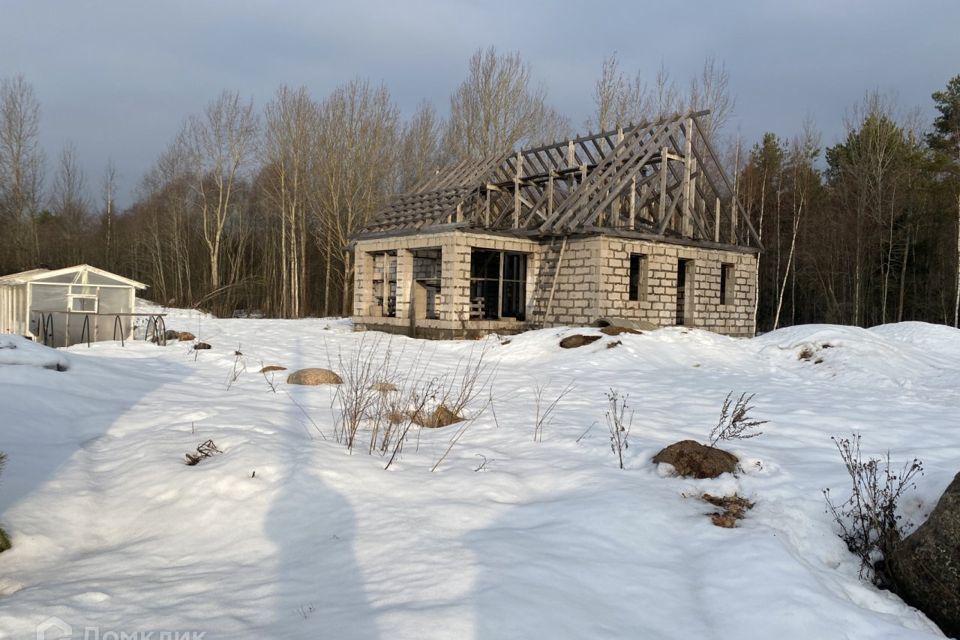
549, 539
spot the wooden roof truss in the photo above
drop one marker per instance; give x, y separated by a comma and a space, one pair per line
659, 179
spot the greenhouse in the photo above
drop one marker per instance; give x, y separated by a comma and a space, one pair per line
67, 306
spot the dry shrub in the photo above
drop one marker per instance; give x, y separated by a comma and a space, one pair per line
544, 409
204, 451
735, 422
619, 423
868, 520
414, 398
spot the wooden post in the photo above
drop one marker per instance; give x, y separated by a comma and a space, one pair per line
486, 212
550, 195
617, 204
716, 222
385, 285
663, 185
516, 191
687, 210
633, 202
692, 205
571, 155
733, 219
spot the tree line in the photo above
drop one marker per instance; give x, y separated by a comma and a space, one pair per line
252, 209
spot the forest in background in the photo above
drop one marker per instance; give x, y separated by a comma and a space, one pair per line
251, 208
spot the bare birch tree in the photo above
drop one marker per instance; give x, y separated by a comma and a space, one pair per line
497, 107
359, 134
619, 100
290, 146
108, 192
69, 204
420, 149
21, 168
802, 154
220, 143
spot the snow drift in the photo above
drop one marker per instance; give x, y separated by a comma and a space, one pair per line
286, 535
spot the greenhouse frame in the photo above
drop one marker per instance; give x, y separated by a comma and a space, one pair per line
67, 306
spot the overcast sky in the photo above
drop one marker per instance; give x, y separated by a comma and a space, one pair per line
117, 78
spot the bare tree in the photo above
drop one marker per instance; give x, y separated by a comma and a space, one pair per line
497, 107
420, 148
220, 143
21, 167
68, 202
358, 138
710, 90
108, 191
290, 152
803, 152
618, 100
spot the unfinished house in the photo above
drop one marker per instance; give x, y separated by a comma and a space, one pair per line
641, 223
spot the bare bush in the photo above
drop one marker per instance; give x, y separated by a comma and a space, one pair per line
735, 423
389, 396
619, 423
204, 451
356, 397
545, 411
239, 367
869, 521
269, 376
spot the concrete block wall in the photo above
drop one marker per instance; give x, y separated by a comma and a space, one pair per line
578, 284
658, 303
593, 281
453, 250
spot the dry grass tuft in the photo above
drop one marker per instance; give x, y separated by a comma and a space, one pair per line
734, 508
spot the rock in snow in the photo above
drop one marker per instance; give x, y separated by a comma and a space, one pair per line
692, 459
313, 377
925, 567
577, 340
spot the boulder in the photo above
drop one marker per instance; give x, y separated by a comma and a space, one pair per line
692, 459
577, 340
185, 336
313, 377
272, 367
442, 416
201, 345
924, 569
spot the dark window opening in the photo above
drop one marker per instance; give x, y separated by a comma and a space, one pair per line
498, 284
682, 282
638, 277
726, 284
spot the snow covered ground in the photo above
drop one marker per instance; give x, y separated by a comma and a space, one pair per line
287, 535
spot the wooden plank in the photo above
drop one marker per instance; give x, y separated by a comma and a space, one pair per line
564, 215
